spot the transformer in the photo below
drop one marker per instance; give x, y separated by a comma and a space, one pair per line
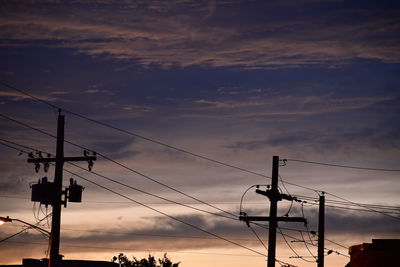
74, 191
44, 192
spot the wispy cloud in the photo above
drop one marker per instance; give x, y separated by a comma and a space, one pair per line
151, 37
289, 105
15, 96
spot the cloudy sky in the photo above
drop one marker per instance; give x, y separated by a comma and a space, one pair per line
234, 81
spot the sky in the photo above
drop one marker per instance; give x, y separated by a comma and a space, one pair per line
237, 82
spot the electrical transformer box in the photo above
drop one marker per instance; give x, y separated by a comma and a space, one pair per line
44, 192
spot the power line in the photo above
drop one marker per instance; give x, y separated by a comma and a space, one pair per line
128, 249
210, 213
302, 240
258, 237
153, 235
291, 248
77, 166
227, 217
146, 138
383, 213
25, 228
127, 202
344, 166
132, 133
167, 215
119, 164
365, 206
180, 149
141, 174
354, 209
349, 203
151, 194
155, 203
163, 213
137, 189
34, 149
308, 233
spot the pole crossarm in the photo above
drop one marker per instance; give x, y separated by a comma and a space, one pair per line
275, 195
65, 159
267, 219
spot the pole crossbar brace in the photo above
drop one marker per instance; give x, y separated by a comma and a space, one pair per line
65, 159
266, 218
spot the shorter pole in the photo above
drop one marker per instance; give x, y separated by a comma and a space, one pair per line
321, 230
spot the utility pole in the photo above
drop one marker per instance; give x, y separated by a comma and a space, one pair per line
273, 222
321, 230
56, 202
274, 196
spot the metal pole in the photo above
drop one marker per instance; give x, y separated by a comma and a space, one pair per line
56, 219
321, 230
273, 223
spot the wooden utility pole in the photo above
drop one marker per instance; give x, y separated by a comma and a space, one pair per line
321, 230
273, 222
55, 257
274, 196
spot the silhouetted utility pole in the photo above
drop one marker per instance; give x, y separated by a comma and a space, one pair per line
274, 196
44, 189
321, 231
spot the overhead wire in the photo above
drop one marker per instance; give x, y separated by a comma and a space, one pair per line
349, 203
136, 250
130, 133
287, 214
302, 240
367, 207
33, 149
11, 236
143, 137
383, 213
308, 233
308, 249
258, 237
194, 154
137, 189
119, 164
43, 132
176, 148
25, 228
165, 214
290, 247
39, 130
344, 166
354, 209
149, 207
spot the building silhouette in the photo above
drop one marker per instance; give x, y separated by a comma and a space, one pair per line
64, 263
379, 253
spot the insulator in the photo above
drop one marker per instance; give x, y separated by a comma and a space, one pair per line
37, 167
90, 165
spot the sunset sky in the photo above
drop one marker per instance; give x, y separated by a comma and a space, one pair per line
233, 81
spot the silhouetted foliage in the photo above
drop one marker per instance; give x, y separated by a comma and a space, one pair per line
124, 261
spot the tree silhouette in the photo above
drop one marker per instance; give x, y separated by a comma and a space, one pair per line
150, 261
